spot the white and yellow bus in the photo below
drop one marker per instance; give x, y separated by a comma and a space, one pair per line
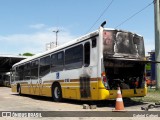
88, 68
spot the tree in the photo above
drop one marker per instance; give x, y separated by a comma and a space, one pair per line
28, 54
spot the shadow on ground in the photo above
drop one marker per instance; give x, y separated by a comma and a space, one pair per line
105, 103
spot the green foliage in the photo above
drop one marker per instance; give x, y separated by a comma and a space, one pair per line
28, 54
148, 67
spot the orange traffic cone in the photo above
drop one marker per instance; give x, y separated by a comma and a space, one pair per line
119, 101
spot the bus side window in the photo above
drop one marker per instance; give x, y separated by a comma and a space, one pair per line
34, 69
44, 66
27, 71
16, 77
86, 54
21, 72
57, 61
94, 42
74, 57
13, 74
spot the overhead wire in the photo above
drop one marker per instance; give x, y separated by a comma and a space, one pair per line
135, 14
107, 7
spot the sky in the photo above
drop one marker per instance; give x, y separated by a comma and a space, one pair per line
27, 25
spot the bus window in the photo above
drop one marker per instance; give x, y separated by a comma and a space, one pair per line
21, 72
34, 69
44, 66
12, 74
16, 76
94, 42
74, 57
27, 71
57, 61
86, 54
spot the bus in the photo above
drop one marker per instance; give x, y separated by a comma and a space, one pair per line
1, 81
90, 67
5, 79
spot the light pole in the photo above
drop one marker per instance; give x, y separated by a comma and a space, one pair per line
157, 40
56, 31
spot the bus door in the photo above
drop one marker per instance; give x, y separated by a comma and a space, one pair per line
34, 86
44, 70
85, 87
85, 79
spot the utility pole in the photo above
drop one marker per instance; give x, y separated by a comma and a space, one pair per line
157, 40
56, 31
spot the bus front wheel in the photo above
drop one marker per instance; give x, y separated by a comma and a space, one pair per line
56, 92
19, 90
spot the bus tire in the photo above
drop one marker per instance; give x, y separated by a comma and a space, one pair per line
19, 90
56, 92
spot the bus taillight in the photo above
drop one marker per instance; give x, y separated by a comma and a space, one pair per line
104, 77
105, 82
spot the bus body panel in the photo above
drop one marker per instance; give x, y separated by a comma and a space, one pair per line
81, 83
14, 88
128, 93
98, 92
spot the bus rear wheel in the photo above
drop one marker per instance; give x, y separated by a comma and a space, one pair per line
56, 92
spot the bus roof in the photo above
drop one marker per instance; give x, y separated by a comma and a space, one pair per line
120, 30
82, 38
